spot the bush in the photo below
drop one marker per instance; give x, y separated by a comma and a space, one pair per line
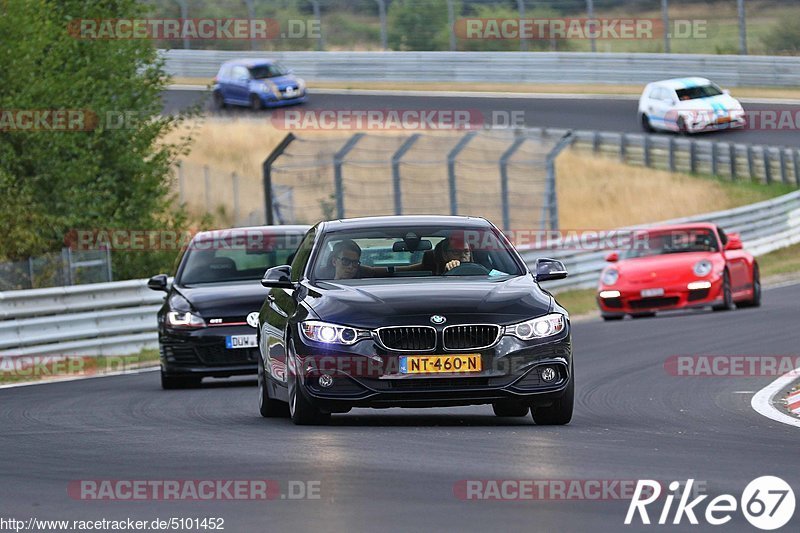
784, 38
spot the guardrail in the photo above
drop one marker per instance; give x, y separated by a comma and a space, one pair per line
120, 317
511, 67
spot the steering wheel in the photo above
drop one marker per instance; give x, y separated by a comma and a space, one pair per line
468, 269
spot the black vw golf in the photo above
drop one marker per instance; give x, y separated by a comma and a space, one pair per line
207, 325
412, 311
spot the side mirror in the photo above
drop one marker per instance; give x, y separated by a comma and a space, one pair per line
726, 92
547, 269
734, 242
613, 257
278, 277
158, 283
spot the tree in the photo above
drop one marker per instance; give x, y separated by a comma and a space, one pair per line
114, 171
784, 37
418, 25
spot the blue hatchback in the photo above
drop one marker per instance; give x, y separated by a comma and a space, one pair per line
257, 83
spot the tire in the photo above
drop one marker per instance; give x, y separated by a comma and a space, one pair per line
682, 129
509, 408
756, 300
727, 295
219, 101
609, 318
301, 410
560, 413
643, 315
268, 407
645, 121
255, 103
172, 382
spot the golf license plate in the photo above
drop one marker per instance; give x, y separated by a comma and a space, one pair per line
652, 292
232, 342
435, 364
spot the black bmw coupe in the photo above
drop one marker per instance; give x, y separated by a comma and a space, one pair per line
412, 311
207, 325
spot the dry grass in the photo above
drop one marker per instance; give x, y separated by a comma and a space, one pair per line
530, 88
594, 192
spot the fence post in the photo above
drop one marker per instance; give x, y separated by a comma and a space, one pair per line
693, 156
796, 161
207, 184
30, 270
66, 265
382, 18
646, 148
550, 187
266, 174
672, 154
235, 180
108, 263
767, 165
504, 180
623, 140
398, 155
714, 171
596, 142
784, 177
751, 163
451, 169
338, 180
732, 156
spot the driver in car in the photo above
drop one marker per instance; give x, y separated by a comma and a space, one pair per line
346, 259
450, 253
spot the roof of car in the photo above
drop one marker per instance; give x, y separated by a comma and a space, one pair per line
681, 227
406, 220
296, 229
682, 83
251, 62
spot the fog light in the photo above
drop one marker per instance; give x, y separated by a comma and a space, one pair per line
548, 374
696, 285
325, 381
609, 294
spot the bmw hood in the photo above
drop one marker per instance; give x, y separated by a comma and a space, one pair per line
225, 299
371, 303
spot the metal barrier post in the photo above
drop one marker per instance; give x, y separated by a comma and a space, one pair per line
504, 180
451, 169
338, 180
398, 155
266, 170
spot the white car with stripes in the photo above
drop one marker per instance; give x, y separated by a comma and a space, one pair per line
688, 105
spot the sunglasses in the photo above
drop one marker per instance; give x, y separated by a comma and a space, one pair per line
349, 262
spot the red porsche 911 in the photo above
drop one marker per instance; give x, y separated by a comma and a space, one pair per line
679, 267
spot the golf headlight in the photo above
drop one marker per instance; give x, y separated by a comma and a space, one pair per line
269, 87
316, 331
702, 268
184, 319
544, 326
301, 84
609, 277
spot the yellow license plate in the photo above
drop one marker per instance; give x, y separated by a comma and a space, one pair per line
436, 364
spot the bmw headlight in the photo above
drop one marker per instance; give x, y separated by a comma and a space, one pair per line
184, 319
317, 331
544, 326
702, 268
610, 276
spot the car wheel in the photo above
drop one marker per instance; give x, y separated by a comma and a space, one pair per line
727, 295
755, 301
682, 128
509, 408
301, 410
643, 315
268, 407
613, 317
171, 382
646, 124
219, 101
255, 103
560, 412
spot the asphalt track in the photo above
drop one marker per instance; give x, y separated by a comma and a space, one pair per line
601, 114
396, 469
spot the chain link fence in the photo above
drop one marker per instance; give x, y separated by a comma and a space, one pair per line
68, 267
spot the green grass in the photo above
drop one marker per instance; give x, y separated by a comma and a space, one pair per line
577, 301
744, 192
72, 366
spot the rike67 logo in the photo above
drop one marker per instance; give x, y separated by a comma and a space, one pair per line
767, 503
